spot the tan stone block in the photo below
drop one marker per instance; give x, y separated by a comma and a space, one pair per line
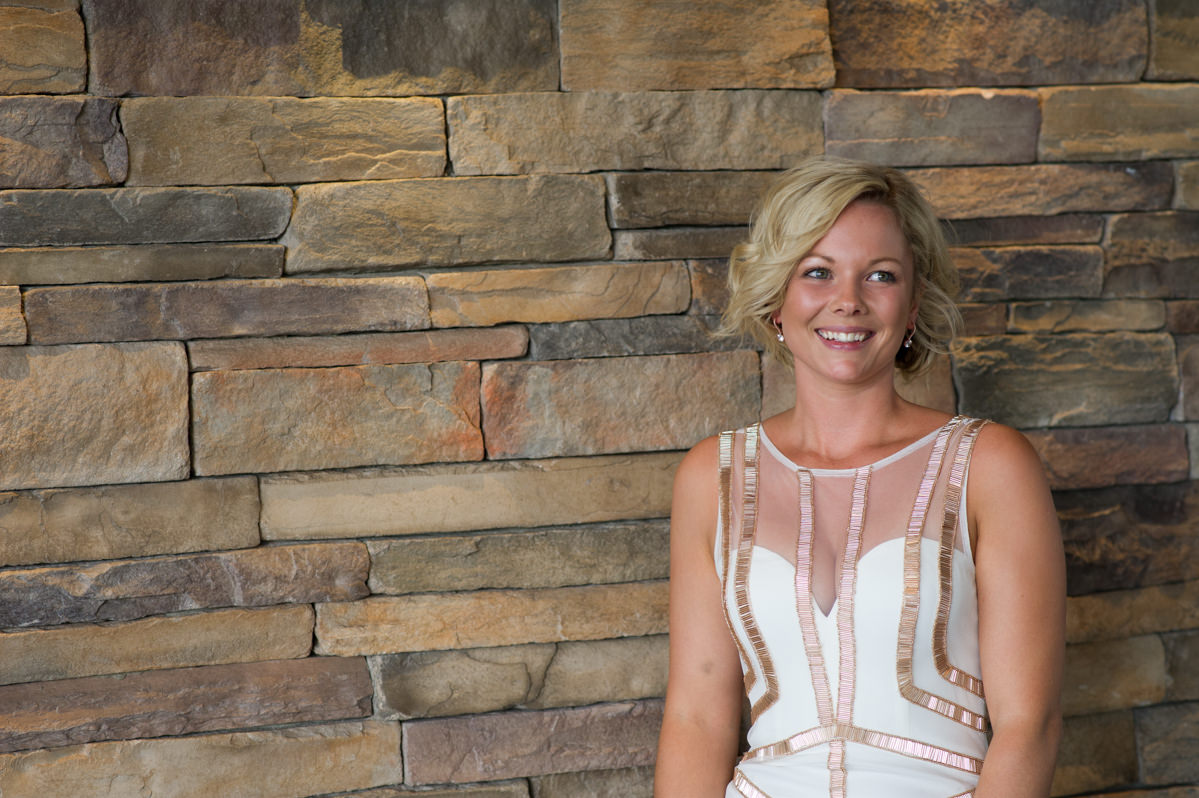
516, 788
1153, 255
511, 744
437, 621
1075, 316
1182, 659
668, 44
129, 589
933, 127
225, 308
1187, 196
1167, 738
1067, 380
593, 131
277, 47
1192, 433
42, 50
623, 552
128, 520
447, 683
897, 43
280, 139
604, 670
385, 224
1113, 674
58, 142
627, 782
12, 321
433, 346
1106, 123
282, 762
92, 414
335, 417
219, 637
991, 275
1097, 751
1120, 613
1044, 189
1096, 457
1003, 231
444, 683
1188, 372
983, 319
36, 217
146, 262
454, 498
1131, 536
183, 701
602, 290
669, 243
1174, 40
534, 409
660, 199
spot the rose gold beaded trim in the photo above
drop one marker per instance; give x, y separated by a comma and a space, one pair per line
803, 601
746, 787
846, 641
903, 746
911, 589
749, 524
727, 551
953, 498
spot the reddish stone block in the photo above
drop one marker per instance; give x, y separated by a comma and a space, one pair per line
898, 43
1095, 457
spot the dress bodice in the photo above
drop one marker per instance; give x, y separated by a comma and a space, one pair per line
850, 594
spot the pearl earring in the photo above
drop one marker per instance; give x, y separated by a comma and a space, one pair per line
778, 327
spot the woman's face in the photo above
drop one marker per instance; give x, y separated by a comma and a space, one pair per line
851, 298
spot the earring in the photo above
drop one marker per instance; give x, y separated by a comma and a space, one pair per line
907, 343
778, 327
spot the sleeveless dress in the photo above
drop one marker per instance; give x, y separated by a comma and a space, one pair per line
851, 596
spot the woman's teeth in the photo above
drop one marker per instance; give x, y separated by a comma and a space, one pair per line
843, 337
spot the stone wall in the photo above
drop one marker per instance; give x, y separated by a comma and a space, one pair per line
349, 349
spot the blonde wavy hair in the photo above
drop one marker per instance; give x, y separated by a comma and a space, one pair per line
797, 211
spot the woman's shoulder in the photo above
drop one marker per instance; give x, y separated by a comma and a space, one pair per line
1001, 447
701, 463
1004, 467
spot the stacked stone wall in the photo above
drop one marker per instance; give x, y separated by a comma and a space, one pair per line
347, 351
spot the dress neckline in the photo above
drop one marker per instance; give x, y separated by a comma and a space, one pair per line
846, 472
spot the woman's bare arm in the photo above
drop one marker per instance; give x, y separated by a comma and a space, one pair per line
697, 747
1022, 613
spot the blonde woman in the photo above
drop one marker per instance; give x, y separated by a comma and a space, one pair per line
858, 568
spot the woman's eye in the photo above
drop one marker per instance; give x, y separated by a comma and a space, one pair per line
817, 272
882, 277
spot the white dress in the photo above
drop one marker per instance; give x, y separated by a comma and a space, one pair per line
851, 597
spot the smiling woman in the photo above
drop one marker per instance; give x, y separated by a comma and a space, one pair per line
858, 566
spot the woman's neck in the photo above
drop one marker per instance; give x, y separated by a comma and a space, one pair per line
834, 424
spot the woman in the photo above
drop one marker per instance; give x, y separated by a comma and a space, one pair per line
858, 567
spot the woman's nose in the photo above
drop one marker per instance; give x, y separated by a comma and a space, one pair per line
848, 298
